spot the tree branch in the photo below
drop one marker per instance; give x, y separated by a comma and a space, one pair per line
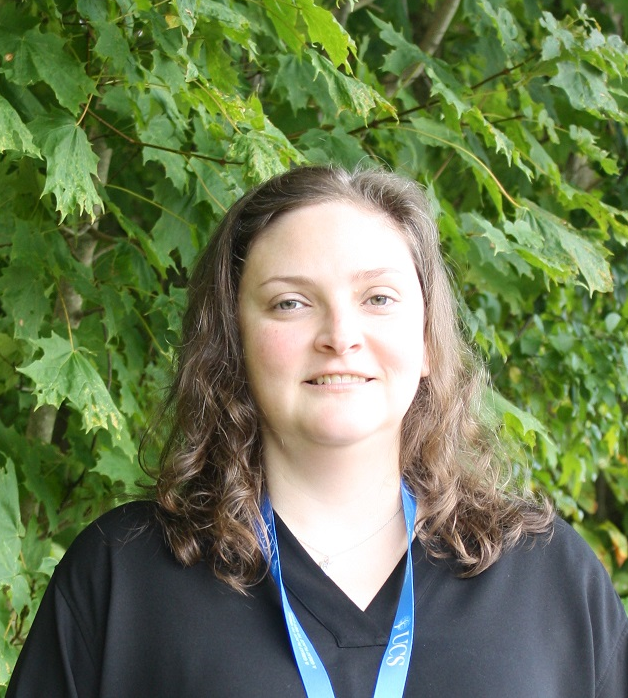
433, 37
348, 8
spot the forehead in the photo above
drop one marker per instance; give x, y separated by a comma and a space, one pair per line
335, 233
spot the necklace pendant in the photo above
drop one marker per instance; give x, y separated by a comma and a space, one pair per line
324, 563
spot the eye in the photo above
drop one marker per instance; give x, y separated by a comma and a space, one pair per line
380, 300
288, 304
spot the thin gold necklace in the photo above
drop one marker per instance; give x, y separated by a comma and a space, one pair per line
326, 558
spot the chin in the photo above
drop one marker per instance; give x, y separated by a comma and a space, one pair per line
343, 433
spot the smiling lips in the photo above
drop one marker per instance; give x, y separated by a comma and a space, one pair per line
330, 378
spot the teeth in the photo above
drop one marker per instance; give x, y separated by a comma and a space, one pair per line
330, 378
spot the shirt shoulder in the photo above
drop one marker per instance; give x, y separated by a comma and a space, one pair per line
567, 581
543, 620
125, 543
560, 557
118, 526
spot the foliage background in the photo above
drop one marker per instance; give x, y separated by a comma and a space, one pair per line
127, 127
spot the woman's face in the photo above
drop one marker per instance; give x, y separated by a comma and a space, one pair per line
331, 319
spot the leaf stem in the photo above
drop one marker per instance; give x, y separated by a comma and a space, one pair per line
206, 188
130, 192
443, 167
150, 333
91, 96
67, 317
89, 101
471, 155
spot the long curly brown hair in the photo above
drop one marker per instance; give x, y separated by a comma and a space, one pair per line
211, 479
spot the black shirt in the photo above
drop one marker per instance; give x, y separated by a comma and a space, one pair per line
121, 617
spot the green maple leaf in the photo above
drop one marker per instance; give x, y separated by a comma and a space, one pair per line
117, 466
475, 224
347, 92
36, 461
586, 140
64, 373
284, 15
111, 44
161, 130
505, 25
265, 152
404, 54
28, 304
588, 256
292, 79
11, 528
219, 65
159, 261
260, 155
323, 29
586, 90
233, 23
71, 163
337, 145
187, 10
13, 134
524, 423
176, 228
94, 10
41, 57
559, 37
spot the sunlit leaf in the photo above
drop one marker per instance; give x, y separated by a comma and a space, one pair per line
587, 255
64, 373
525, 421
346, 92
261, 154
324, 30
283, 16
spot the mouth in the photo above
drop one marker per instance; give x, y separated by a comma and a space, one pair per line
331, 378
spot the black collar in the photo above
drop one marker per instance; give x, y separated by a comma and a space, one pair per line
311, 588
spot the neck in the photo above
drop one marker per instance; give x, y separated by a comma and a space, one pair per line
320, 489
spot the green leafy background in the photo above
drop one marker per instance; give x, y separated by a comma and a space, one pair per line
127, 128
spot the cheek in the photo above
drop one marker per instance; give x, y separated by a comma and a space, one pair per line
270, 351
407, 352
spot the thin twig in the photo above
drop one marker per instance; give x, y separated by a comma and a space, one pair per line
134, 141
444, 166
419, 107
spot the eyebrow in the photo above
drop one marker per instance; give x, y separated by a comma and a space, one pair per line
363, 275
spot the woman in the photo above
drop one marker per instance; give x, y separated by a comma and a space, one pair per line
330, 515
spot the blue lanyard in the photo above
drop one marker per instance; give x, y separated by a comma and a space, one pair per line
393, 671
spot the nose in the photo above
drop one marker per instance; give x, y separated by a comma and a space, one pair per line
340, 331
